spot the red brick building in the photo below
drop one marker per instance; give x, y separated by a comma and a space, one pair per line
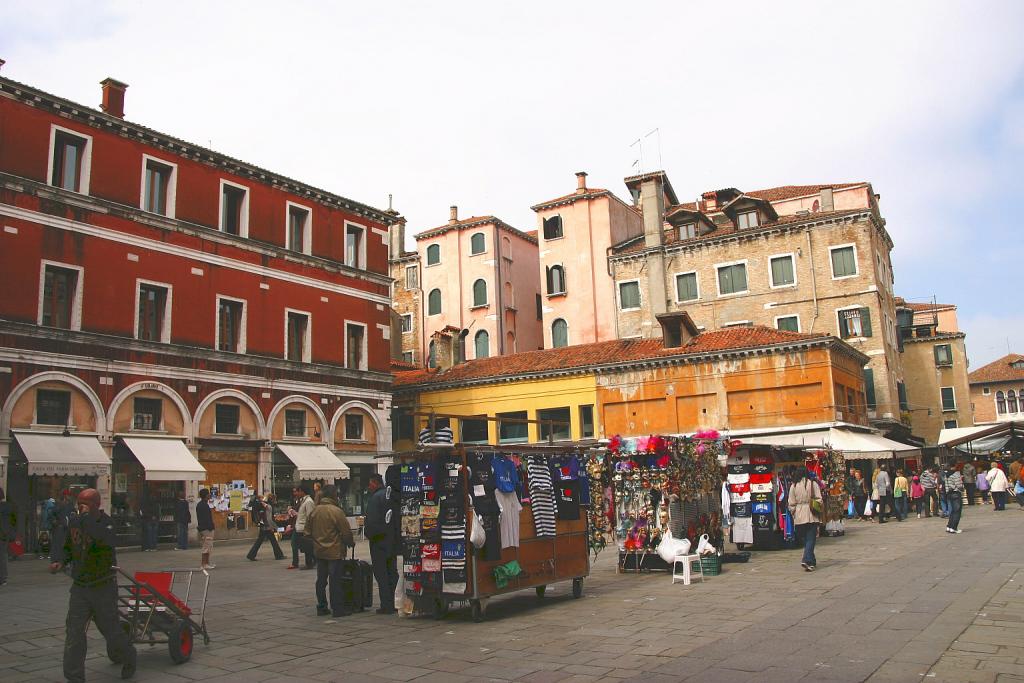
173, 317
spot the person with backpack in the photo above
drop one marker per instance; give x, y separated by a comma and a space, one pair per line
331, 535
267, 532
806, 506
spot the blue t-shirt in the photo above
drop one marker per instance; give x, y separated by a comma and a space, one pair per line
505, 474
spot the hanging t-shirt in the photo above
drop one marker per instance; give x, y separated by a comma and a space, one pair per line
742, 530
567, 499
491, 552
427, 476
542, 499
481, 471
506, 474
510, 506
410, 478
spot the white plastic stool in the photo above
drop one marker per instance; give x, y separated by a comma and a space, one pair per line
686, 560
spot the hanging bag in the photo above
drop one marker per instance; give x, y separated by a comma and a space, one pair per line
670, 548
477, 535
869, 508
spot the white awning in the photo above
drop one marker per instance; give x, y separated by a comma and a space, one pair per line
55, 454
314, 461
165, 459
853, 444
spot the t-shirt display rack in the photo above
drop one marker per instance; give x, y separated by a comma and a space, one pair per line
444, 490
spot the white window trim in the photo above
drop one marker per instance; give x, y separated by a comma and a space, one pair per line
307, 228
985, 391
479, 253
238, 427
344, 423
411, 323
165, 329
839, 329
172, 184
856, 261
789, 315
307, 341
718, 281
364, 361
426, 257
737, 323
944, 409
284, 422
416, 269
361, 256
675, 282
771, 277
243, 229
639, 290
242, 323
76, 304
86, 171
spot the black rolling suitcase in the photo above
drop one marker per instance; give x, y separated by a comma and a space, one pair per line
357, 576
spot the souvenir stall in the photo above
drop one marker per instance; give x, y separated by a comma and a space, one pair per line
482, 521
652, 486
755, 496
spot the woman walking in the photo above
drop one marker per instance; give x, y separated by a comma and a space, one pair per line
998, 485
859, 494
805, 504
981, 481
917, 495
901, 491
268, 528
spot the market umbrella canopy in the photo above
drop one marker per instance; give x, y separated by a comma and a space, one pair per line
165, 459
855, 445
984, 439
314, 461
50, 454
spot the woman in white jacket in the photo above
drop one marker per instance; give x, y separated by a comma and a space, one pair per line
999, 484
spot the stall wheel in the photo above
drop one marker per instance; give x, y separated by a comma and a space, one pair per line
180, 642
440, 608
577, 588
477, 610
541, 590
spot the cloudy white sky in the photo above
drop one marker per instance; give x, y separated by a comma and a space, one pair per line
494, 106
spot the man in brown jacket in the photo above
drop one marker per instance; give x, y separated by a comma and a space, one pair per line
328, 528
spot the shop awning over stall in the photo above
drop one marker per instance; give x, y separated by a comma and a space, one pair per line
165, 459
855, 445
55, 454
983, 439
314, 461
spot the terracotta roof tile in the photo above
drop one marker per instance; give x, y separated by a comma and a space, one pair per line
601, 353
402, 365
1000, 370
778, 194
471, 221
927, 307
591, 193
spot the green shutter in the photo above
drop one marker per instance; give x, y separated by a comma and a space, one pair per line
869, 388
865, 321
844, 329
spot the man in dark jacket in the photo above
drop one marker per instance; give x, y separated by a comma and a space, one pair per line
89, 550
204, 525
182, 518
6, 534
149, 515
268, 531
328, 530
380, 529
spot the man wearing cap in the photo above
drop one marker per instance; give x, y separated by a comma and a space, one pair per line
89, 550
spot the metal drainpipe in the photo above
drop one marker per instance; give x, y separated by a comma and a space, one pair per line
814, 280
499, 295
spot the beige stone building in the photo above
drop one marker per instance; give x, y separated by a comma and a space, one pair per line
935, 368
997, 390
812, 258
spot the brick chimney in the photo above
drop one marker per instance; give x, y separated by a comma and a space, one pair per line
113, 97
710, 201
453, 215
444, 347
825, 198
652, 204
581, 182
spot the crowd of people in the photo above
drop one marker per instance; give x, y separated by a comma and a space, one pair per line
937, 491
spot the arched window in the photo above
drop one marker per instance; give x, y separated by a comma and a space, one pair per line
482, 343
559, 333
480, 293
434, 302
476, 243
552, 227
556, 280
433, 254
1011, 401
1000, 403
432, 355
506, 248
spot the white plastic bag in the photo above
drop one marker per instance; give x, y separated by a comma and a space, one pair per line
704, 546
869, 508
477, 535
670, 548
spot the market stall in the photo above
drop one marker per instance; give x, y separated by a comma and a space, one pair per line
482, 521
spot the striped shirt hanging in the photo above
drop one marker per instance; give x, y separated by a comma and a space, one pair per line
542, 495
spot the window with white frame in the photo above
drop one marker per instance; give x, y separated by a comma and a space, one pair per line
985, 391
354, 426
412, 277
355, 245
295, 422
296, 336
433, 254
407, 323
158, 186
790, 323
629, 295
1011, 401
844, 261
732, 278
782, 272
747, 220
53, 407
408, 357
70, 159
355, 345
234, 208
147, 414
299, 220
60, 296
231, 328
948, 398
687, 231
943, 355
687, 287
1000, 403
153, 312
854, 322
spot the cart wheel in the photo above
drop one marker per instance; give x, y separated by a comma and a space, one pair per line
440, 608
577, 588
180, 642
541, 590
477, 610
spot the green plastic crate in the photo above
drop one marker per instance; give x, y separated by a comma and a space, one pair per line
712, 565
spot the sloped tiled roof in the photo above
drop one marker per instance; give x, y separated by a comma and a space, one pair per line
778, 194
591, 193
601, 353
928, 307
398, 365
999, 370
474, 221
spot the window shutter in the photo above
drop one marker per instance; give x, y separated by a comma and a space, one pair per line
547, 277
869, 388
938, 360
865, 321
844, 328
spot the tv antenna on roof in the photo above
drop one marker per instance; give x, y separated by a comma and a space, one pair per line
639, 142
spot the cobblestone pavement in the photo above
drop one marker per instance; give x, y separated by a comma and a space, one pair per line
900, 602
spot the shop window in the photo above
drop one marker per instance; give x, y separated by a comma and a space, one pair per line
629, 295
586, 422
355, 346
355, 247
554, 423
790, 323
53, 407
747, 220
482, 344
686, 287
60, 297
158, 187
510, 431
297, 337
949, 400
230, 325
434, 302
295, 422
298, 229
844, 261
943, 355
553, 228
559, 333
732, 279
433, 254
1000, 403
412, 277
353, 427
70, 162
234, 209
473, 431
477, 244
407, 323
855, 322
782, 270
153, 314
227, 418
147, 413
480, 293
556, 280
